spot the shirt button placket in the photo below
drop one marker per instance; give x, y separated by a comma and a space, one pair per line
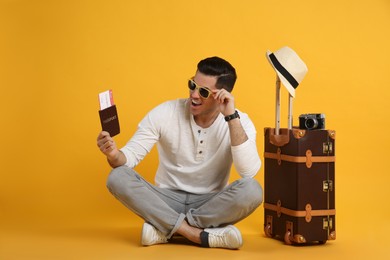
201, 145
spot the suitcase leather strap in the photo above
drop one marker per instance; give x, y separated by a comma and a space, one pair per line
308, 213
309, 159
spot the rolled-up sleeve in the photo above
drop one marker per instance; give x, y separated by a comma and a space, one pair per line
246, 158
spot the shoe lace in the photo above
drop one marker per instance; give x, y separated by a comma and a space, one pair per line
159, 237
219, 237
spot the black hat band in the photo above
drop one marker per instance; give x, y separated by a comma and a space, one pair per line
283, 71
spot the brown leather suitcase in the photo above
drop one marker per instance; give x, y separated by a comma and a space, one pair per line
299, 185
299, 168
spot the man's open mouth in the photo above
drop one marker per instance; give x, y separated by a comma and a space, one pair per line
196, 102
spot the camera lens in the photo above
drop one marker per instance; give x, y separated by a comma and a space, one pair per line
311, 123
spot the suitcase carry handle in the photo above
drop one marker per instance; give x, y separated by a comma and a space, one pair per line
281, 139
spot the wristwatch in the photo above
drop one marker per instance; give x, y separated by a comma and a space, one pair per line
232, 116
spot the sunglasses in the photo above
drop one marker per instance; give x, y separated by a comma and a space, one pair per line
203, 91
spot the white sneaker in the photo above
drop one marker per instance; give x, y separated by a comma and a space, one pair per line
226, 237
152, 236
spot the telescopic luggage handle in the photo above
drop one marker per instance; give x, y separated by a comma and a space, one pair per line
280, 136
277, 108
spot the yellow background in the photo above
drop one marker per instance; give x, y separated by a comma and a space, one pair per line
56, 56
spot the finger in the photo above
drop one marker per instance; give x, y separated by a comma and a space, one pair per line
217, 94
222, 96
216, 91
103, 140
103, 134
108, 146
107, 137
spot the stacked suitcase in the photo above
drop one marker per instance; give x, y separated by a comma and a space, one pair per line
299, 183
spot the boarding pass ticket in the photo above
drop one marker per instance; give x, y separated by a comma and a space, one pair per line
106, 99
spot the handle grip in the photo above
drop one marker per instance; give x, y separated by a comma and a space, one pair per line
277, 108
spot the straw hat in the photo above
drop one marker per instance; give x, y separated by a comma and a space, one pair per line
289, 67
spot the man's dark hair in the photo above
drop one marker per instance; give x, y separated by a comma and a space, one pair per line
215, 66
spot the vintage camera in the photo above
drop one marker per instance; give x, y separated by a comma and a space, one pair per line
312, 121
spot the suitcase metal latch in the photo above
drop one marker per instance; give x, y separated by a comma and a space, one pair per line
327, 223
327, 147
327, 186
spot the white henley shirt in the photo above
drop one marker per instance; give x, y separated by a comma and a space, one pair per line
191, 158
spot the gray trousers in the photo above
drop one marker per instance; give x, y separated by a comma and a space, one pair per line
166, 209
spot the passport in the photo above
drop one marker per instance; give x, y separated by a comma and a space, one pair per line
108, 113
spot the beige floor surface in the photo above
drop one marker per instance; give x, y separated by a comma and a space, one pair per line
121, 240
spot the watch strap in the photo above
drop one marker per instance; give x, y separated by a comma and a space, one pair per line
232, 116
